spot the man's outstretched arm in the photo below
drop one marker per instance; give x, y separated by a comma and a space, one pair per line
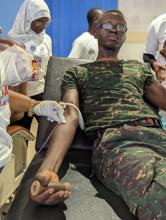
57, 149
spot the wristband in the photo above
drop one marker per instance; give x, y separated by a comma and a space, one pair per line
32, 104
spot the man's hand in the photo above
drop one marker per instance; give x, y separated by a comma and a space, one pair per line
49, 196
52, 110
160, 71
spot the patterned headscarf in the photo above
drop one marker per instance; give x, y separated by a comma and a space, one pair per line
29, 11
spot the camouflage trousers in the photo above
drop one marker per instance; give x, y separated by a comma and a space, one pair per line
131, 161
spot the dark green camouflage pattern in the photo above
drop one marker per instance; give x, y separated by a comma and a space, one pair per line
131, 161
128, 159
111, 93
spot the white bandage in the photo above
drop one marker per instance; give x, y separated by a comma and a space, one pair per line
51, 109
81, 121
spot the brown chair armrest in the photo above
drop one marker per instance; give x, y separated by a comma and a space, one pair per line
19, 130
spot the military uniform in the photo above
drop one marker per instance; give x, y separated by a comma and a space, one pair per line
128, 152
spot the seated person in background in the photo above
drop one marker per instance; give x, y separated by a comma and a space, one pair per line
85, 46
16, 67
162, 113
154, 53
115, 98
154, 43
29, 30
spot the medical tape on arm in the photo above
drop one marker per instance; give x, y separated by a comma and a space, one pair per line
81, 121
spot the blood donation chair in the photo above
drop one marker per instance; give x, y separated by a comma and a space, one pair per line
89, 199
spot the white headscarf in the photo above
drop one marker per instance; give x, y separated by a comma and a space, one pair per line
29, 11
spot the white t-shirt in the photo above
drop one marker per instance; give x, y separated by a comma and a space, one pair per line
156, 37
43, 52
84, 47
155, 40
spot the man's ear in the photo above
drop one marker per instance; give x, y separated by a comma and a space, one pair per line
95, 34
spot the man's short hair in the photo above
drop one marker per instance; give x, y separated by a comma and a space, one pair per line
92, 15
114, 12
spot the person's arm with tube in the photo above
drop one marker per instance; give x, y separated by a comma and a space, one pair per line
57, 149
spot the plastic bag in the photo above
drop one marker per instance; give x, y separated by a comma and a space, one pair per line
15, 66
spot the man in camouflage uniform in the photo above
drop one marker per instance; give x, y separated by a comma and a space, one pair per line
129, 144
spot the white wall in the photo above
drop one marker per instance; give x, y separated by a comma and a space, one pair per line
132, 51
138, 14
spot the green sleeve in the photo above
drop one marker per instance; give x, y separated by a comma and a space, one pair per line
69, 80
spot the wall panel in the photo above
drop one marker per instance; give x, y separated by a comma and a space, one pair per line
138, 15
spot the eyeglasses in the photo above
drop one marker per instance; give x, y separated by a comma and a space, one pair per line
109, 27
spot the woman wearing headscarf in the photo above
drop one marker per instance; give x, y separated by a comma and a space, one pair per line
29, 31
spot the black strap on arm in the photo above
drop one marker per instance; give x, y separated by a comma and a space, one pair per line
149, 58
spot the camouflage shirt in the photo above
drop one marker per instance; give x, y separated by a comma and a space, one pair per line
111, 93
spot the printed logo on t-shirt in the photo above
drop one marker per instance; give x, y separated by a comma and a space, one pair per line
33, 48
36, 68
4, 96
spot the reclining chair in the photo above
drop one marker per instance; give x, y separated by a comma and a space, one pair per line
89, 199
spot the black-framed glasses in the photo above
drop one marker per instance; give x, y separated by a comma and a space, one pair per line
108, 27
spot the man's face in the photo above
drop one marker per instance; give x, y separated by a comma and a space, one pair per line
111, 31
